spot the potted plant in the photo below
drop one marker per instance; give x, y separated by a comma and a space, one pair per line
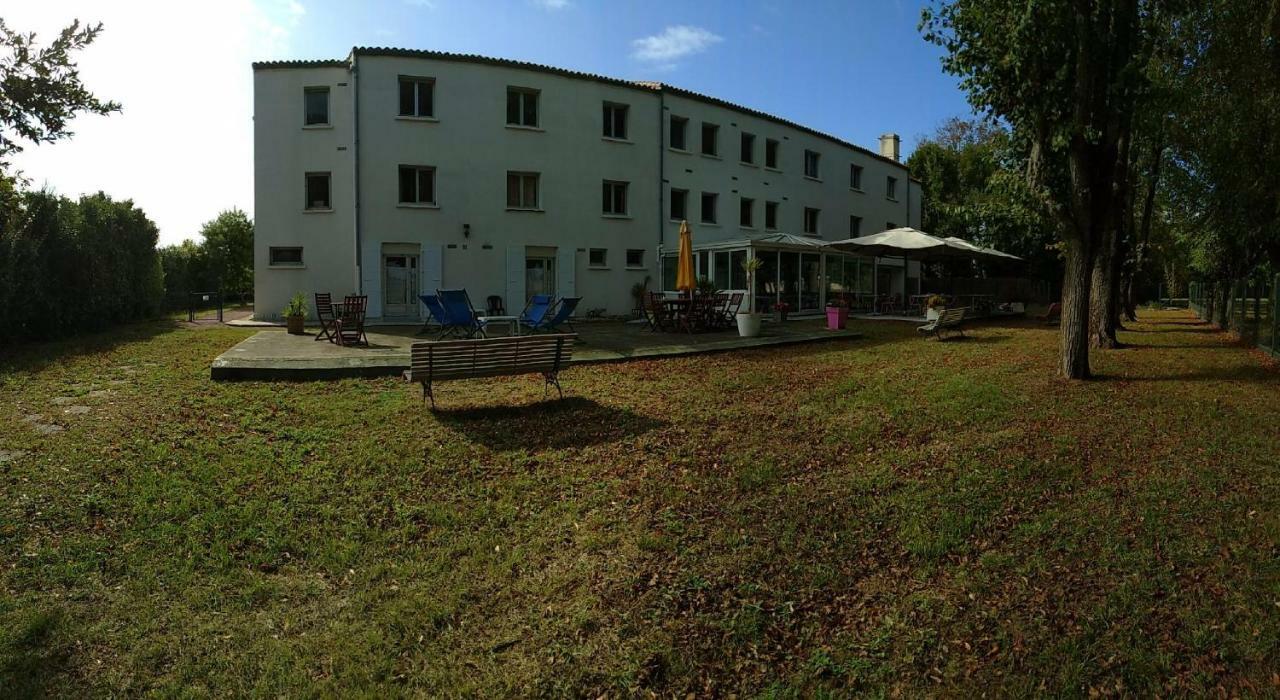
781, 309
837, 314
295, 313
749, 321
638, 292
933, 307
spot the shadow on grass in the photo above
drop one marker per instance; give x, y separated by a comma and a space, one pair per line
549, 425
29, 657
1254, 374
38, 355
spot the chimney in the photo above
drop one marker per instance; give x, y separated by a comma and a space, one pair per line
889, 144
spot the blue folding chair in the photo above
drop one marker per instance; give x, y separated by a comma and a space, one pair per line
435, 314
462, 316
535, 312
564, 310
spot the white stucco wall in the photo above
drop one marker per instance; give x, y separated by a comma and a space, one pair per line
471, 147
284, 151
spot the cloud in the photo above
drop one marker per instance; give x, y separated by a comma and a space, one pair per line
428, 4
552, 4
673, 43
182, 146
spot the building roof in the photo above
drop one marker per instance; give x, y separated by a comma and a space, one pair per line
646, 85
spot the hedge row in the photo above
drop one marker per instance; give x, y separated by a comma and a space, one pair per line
72, 266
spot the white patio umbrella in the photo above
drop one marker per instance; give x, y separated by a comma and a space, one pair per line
903, 242
906, 243
978, 250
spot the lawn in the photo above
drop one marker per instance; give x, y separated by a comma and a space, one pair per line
885, 515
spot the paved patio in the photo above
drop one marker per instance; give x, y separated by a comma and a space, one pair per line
274, 354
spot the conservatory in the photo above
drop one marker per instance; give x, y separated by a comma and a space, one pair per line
800, 271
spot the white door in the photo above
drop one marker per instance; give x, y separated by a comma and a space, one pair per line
399, 285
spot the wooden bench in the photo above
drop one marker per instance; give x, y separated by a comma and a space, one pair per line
947, 320
490, 357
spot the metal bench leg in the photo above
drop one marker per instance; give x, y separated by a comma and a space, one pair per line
552, 379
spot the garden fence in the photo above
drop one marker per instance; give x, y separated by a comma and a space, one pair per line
1249, 310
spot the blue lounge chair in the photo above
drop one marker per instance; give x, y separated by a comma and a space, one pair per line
564, 310
462, 316
435, 314
536, 311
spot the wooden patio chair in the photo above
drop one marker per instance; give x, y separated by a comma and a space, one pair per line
349, 328
657, 312
324, 310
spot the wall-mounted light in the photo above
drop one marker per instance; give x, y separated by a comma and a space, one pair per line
466, 230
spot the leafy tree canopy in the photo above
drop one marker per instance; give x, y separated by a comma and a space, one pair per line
40, 87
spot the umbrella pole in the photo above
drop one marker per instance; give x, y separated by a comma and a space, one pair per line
875, 285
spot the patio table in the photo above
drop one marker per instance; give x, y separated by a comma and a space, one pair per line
514, 322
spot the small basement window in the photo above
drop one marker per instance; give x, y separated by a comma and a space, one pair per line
598, 257
285, 257
635, 257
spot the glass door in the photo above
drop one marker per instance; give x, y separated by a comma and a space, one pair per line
539, 276
810, 281
400, 285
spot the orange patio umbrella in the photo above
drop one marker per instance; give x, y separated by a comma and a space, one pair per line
685, 280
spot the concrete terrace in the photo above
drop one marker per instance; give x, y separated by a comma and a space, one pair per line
274, 354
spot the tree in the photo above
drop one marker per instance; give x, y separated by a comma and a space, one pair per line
40, 88
972, 184
228, 245
1067, 78
1224, 185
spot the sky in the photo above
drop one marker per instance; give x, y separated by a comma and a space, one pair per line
182, 146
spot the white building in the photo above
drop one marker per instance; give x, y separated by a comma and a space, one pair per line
397, 172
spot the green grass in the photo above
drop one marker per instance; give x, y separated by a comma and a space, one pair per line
880, 516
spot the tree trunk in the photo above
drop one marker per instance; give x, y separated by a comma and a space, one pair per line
1074, 336
1223, 315
1102, 331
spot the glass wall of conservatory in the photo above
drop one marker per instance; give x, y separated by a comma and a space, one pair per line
804, 275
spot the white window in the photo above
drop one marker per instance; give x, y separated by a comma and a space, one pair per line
635, 257
679, 133
615, 198
417, 184
710, 136
679, 204
748, 149
285, 257
811, 164
855, 226
855, 176
315, 106
522, 190
317, 192
891, 188
597, 257
746, 207
417, 96
709, 207
811, 221
615, 121
522, 107
771, 216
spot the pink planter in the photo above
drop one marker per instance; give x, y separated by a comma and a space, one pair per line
837, 317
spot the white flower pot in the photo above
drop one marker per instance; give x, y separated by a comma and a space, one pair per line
748, 325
